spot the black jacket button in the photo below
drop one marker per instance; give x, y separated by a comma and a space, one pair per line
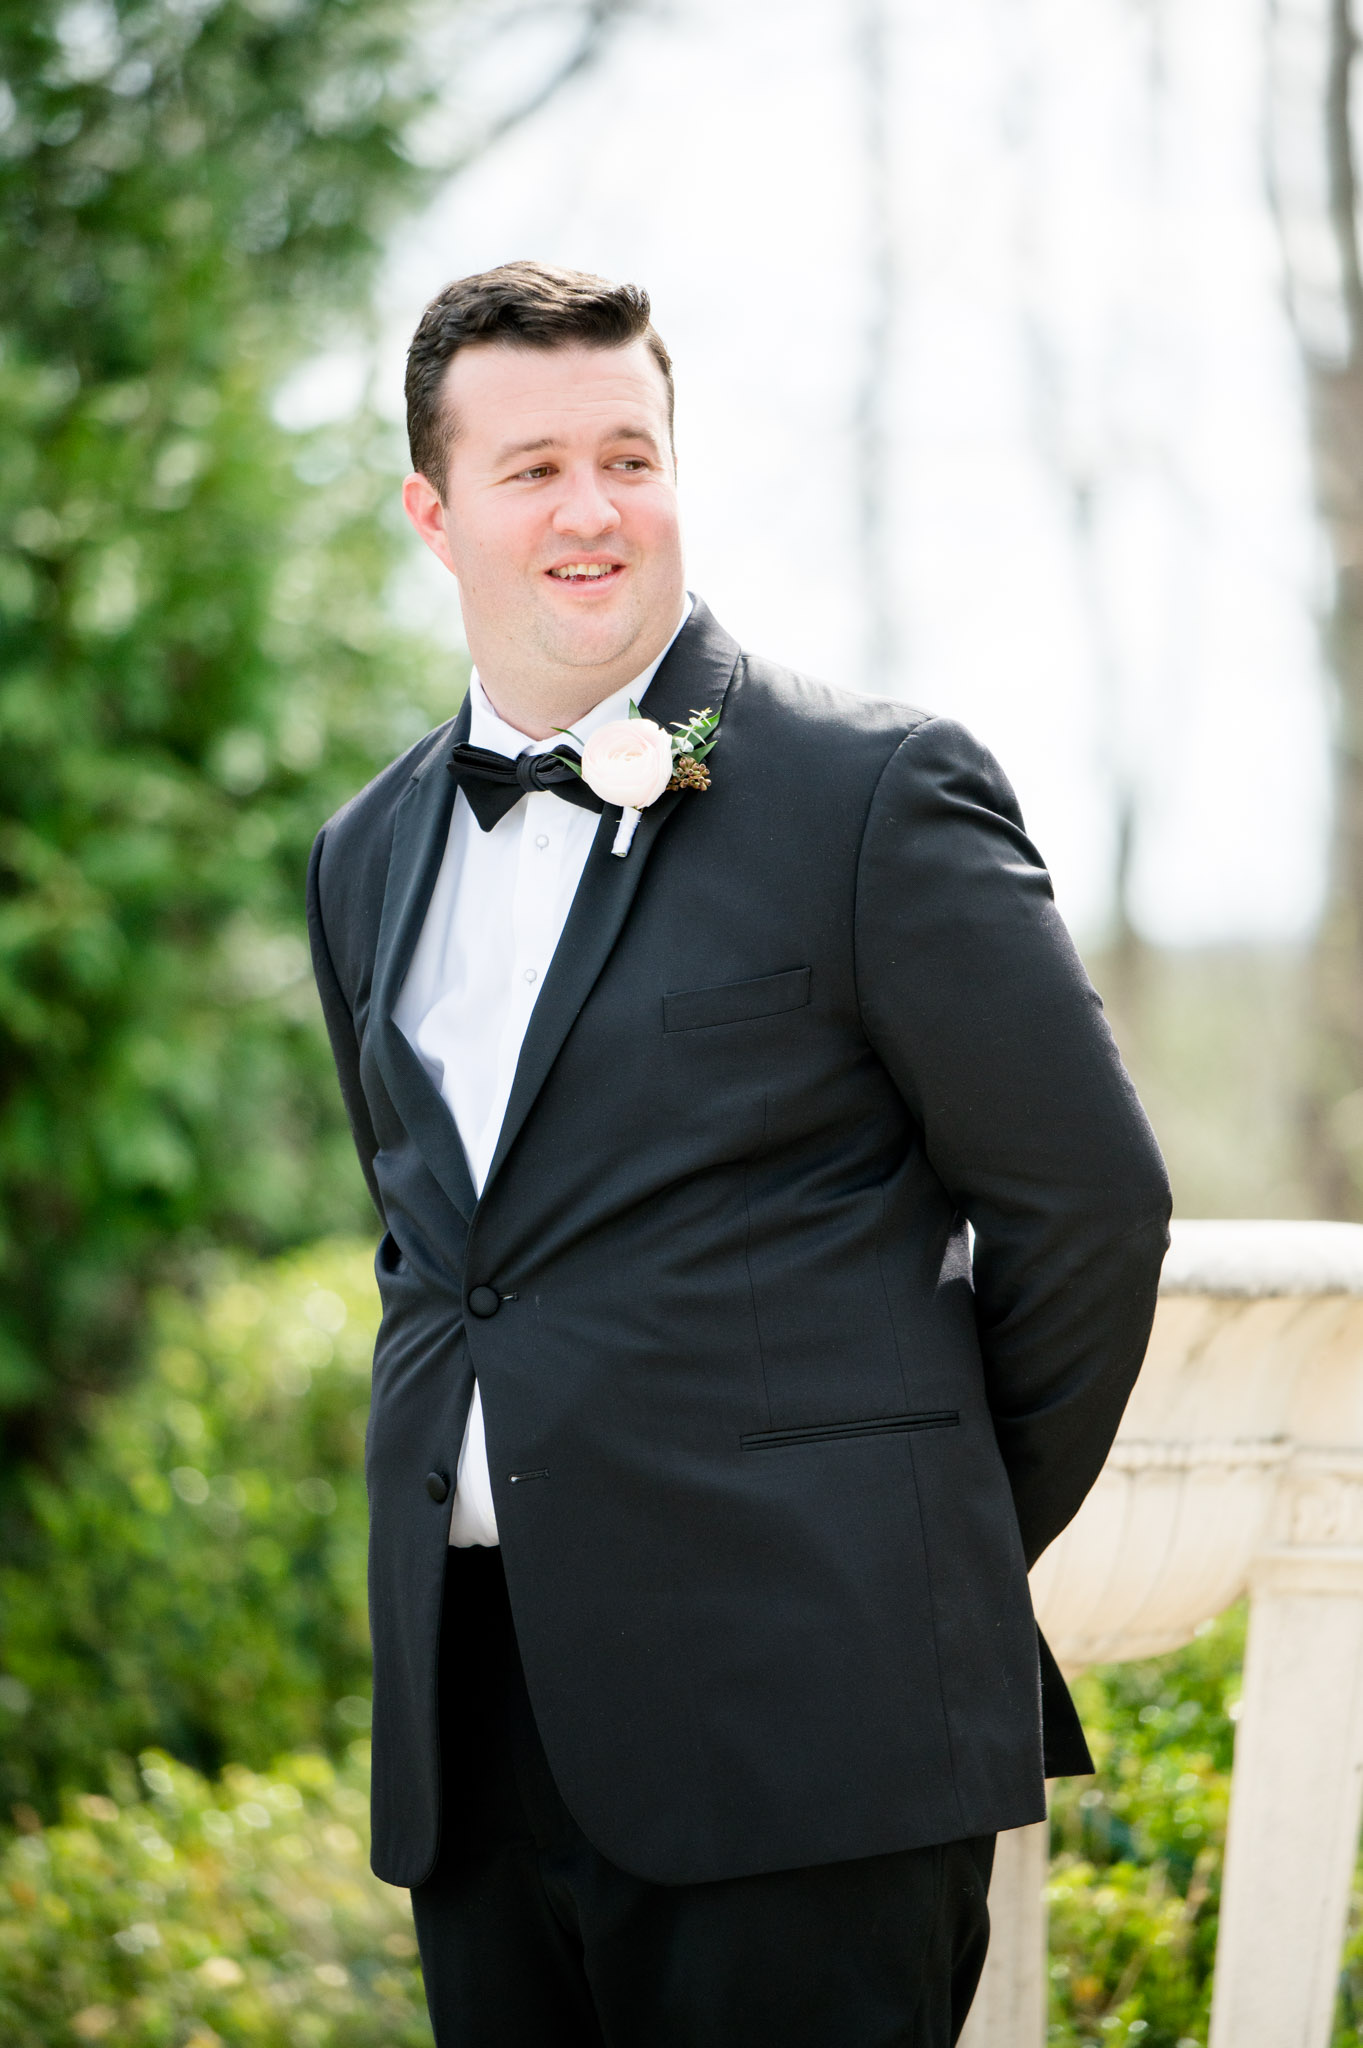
484, 1301
438, 1486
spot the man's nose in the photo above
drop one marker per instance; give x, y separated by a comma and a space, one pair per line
585, 509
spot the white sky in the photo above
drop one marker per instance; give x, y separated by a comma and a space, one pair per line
1089, 308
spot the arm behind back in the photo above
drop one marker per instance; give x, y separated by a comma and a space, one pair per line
973, 996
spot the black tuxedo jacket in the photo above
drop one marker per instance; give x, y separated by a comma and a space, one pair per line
771, 1453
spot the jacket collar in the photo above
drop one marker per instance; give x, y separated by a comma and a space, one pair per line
694, 674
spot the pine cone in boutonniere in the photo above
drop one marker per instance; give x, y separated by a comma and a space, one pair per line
689, 773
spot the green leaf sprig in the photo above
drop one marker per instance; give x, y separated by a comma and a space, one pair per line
698, 736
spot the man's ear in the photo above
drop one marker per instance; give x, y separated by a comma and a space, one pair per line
421, 503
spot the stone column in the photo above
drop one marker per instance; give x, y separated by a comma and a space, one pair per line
1010, 2005
1238, 1463
1297, 1787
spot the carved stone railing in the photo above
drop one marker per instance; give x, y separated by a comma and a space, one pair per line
1238, 1467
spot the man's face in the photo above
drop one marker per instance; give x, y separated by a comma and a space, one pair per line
560, 513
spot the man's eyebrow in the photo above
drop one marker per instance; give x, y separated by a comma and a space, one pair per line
635, 433
521, 448
627, 432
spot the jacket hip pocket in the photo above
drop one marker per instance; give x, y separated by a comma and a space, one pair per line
831, 1432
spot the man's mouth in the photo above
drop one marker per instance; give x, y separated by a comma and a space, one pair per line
586, 572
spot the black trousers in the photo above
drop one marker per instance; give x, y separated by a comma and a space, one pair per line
530, 1938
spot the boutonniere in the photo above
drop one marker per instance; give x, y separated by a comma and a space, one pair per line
632, 761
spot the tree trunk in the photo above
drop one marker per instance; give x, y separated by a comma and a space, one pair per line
1329, 324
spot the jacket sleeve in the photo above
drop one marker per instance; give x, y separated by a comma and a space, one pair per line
973, 996
340, 1026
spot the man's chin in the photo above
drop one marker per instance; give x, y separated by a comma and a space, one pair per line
596, 642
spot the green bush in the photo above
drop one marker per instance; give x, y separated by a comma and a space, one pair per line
1136, 1849
198, 1915
1135, 1883
194, 1577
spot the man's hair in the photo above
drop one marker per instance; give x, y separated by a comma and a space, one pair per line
521, 305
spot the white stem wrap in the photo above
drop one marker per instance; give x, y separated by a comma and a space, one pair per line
625, 831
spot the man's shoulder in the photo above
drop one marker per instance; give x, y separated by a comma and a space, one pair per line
368, 814
846, 735
820, 722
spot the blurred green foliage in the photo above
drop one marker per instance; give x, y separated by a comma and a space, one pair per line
1136, 1849
197, 662
178, 1912
194, 1578
1135, 1882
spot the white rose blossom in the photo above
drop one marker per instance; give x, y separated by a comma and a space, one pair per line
629, 763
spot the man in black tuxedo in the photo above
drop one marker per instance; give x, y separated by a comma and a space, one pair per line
707, 1458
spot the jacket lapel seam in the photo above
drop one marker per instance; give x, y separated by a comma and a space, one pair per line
415, 857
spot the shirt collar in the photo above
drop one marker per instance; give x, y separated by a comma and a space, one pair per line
486, 729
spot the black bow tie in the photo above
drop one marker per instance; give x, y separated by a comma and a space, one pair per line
494, 782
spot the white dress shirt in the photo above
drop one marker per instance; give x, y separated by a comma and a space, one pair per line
495, 916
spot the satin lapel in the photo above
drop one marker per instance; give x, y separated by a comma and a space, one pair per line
420, 829
694, 676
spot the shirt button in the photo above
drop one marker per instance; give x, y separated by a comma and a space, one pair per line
542, 841
531, 974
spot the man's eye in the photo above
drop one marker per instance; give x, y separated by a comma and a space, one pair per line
540, 469
630, 462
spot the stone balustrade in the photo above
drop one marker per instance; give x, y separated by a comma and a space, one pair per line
1238, 1467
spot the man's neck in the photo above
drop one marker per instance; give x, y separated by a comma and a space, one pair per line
545, 705
528, 714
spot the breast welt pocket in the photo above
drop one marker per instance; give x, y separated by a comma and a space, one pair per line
831, 1432
735, 1002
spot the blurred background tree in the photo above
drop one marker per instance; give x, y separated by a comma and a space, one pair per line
1312, 76
194, 635
198, 661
